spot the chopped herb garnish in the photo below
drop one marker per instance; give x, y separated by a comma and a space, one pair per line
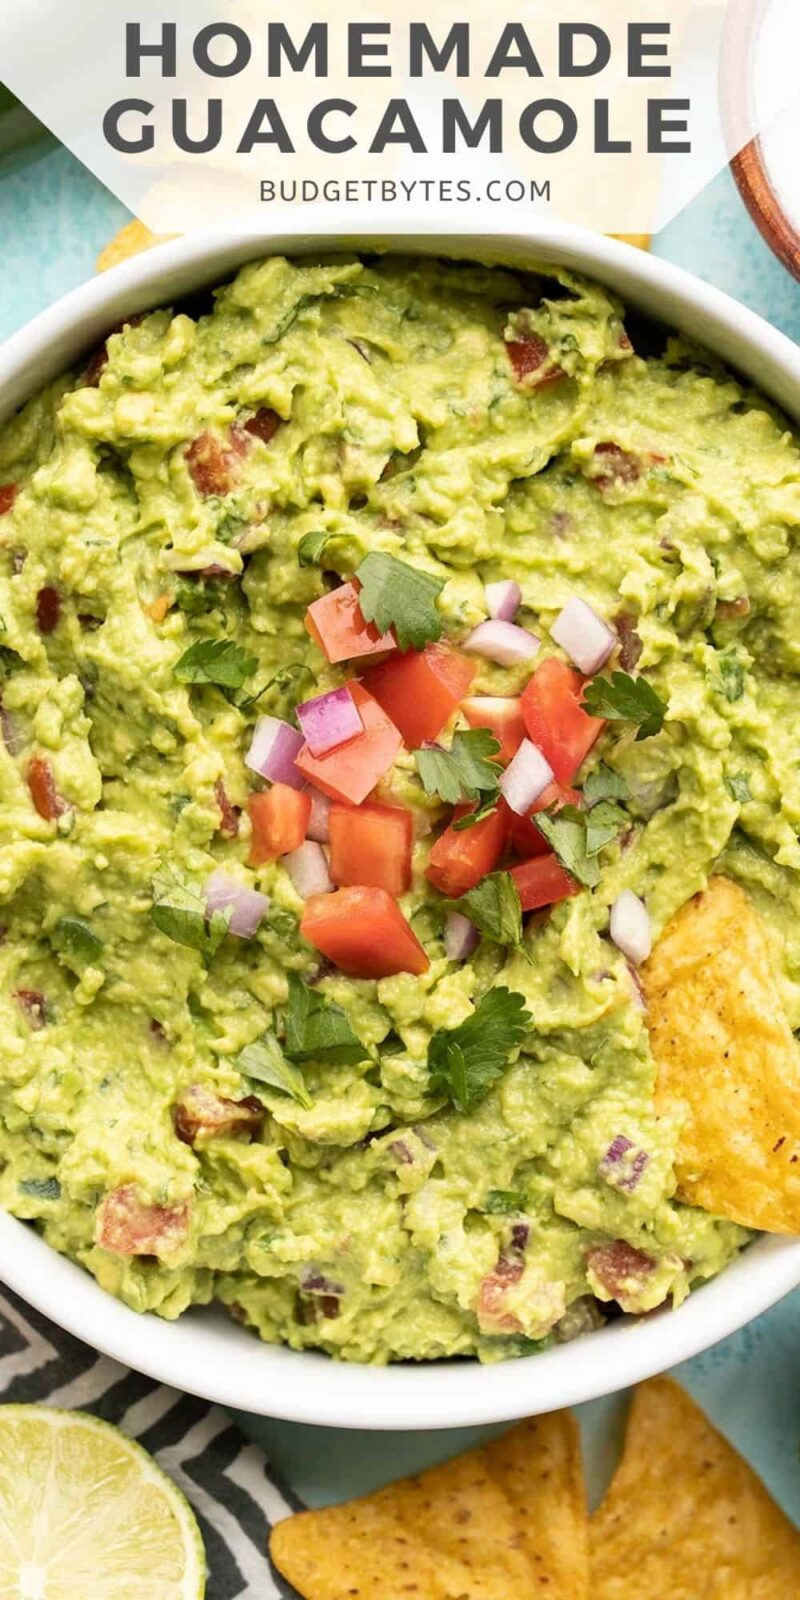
282, 923
311, 546
604, 784
41, 1188
265, 1062
467, 771
318, 1029
194, 598
494, 907
503, 1202
217, 661
604, 822
731, 677
179, 911
738, 787
78, 939
287, 684
395, 595
392, 1045
565, 831
465, 1062
622, 698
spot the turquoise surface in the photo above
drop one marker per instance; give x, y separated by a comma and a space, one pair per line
54, 218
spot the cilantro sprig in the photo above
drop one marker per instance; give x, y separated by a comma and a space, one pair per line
318, 1029
494, 907
623, 698
566, 833
179, 911
265, 1062
312, 545
465, 1062
396, 595
217, 661
467, 771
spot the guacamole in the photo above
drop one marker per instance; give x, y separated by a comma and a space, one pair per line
238, 1063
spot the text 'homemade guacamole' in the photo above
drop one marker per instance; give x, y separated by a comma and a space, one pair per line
247, 920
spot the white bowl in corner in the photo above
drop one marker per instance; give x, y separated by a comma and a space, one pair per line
205, 1351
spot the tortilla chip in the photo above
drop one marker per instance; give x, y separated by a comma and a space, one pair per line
640, 240
685, 1516
130, 241
502, 1522
727, 1059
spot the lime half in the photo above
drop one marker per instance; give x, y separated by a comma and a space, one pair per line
85, 1514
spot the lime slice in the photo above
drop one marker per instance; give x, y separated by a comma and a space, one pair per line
85, 1514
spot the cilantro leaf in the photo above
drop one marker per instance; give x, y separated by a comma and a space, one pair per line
41, 1188
622, 698
218, 661
265, 1062
287, 685
179, 911
464, 1062
731, 677
317, 1029
738, 787
503, 1202
396, 595
196, 596
604, 784
604, 822
311, 547
78, 939
494, 907
464, 772
565, 831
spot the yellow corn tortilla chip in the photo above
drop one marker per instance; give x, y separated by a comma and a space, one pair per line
727, 1060
685, 1517
503, 1522
640, 240
130, 241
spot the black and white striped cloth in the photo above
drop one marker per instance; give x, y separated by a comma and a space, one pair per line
235, 1494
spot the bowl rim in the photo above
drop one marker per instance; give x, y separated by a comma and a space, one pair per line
205, 1352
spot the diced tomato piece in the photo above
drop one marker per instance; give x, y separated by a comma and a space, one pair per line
351, 772
371, 845
44, 794
48, 609
503, 718
263, 425
542, 881
279, 819
619, 466
228, 814
491, 1311
529, 356
555, 719
210, 465
126, 1225
199, 1114
462, 856
33, 1006
363, 932
528, 840
337, 626
620, 1272
420, 689
8, 494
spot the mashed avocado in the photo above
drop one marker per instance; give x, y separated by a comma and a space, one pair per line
183, 1109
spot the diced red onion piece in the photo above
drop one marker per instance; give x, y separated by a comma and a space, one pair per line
502, 642
586, 639
318, 823
630, 927
526, 777
308, 869
272, 754
621, 1168
329, 720
460, 937
503, 600
247, 906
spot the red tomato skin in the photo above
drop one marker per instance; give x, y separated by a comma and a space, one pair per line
363, 932
337, 626
528, 840
542, 881
279, 819
420, 689
44, 794
351, 772
462, 856
508, 726
8, 494
371, 845
555, 720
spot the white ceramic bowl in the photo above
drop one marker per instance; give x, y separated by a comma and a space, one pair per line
205, 1351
